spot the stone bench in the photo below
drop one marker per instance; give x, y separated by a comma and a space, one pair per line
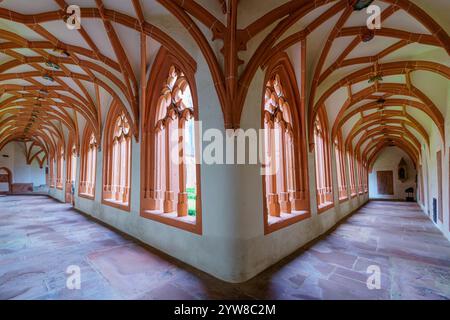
21, 187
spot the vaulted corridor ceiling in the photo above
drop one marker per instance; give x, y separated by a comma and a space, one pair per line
379, 87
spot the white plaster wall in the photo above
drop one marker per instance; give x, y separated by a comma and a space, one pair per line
21, 171
388, 160
430, 178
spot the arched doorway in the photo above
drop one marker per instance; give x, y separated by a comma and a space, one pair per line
5, 180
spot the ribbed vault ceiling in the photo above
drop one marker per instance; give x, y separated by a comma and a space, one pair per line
389, 87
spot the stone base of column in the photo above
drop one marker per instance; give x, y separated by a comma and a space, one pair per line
182, 205
168, 202
273, 206
298, 200
329, 196
153, 200
285, 204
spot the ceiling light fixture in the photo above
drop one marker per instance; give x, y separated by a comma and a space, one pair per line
361, 4
377, 77
52, 65
48, 77
62, 52
381, 101
367, 35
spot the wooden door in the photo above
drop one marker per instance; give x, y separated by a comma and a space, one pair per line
385, 182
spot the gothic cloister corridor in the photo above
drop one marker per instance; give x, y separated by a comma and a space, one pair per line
224, 149
38, 242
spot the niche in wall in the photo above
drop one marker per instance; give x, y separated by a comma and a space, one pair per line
402, 170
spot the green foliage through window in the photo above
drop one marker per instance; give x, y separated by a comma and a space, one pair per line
192, 200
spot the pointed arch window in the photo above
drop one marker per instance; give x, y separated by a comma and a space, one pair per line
285, 175
279, 149
72, 168
59, 167
171, 187
351, 168
360, 174
365, 178
339, 153
117, 161
324, 183
421, 185
71, 171
88, 165
51, 174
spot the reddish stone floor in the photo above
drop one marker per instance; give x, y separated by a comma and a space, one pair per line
39, 238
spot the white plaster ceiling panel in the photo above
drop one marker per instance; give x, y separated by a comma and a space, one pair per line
5, 58
365, 144
130, 39
59, 30
369, 112
359, 104
307, 20
26, 52
255, 42
89, 87
372, 48
339, 74
334, 104
153, 11
357, 87
214, 8
398, 96
438, 9
401, 20
349, 125
393, 108
125, 7
358, 136
152, 49
105, 104
394, 79
20, 29
416, 134
21, 68
19, 82
29, 6
434, 86
254, 10
339, 45
97, 32
74, 68
315, 43
422, 117
66, 93
414, 51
